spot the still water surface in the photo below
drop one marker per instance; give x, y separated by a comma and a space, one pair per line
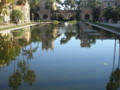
59, 57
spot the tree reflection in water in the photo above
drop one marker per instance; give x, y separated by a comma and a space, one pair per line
46, 35
8, 50
114, 82
22, 73
12, 45
29, 52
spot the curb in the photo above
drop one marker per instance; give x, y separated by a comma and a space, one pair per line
18, 28
110, 30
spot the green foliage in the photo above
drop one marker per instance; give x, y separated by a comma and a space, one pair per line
21, 2
15, 80
112, 13
48, 5
93, 4
96, 13
18, 33
60, 17
44, 20
29, 77
73, 22
16, 14
4, 6
56, 22
34, 3
1, 19
54, 17
68, 36
72, 17
8, 50
69, 4
114, 82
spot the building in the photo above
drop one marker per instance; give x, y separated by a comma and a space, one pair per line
86, 13
25, 9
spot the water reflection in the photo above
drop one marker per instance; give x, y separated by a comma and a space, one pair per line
8, 50
18, 48
22, 73
114, 81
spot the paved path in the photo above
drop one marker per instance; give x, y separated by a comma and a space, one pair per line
10, 25
112, 24
19, 27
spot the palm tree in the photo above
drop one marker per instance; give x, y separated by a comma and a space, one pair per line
114, 54
30, 52
114, 82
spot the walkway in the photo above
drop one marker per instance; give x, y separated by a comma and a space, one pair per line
4, 26
14, 27
112, 24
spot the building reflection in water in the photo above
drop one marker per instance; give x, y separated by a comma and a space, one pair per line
86, 35
12, 45
16, 47
48, 34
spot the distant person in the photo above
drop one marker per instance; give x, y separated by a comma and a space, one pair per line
16, 20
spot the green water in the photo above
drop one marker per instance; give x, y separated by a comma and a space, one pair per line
59, 57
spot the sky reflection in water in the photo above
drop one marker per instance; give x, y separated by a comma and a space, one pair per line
59, 57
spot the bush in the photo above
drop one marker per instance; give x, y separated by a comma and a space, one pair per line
112, 13
72, 18
1, 19
44, 20
60, 17
16, 13
54, 17
73, 22
56, 22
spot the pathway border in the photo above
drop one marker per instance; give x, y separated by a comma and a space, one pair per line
110, 30
19, 27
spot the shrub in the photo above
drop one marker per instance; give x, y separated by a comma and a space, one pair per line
56, 22
73, 22
1, 19
60, 17
16, 13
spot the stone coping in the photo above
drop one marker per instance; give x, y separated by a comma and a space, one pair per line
110, 30
19, 27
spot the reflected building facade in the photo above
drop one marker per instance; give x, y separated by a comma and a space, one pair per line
48, 36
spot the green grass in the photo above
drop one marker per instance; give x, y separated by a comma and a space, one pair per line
15, 26
107, 26
55, 22
73, 22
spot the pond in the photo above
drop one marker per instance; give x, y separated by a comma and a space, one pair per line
59, 57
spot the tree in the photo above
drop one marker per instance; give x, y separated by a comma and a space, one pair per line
30, 52
95, 5
74, 5
15, 80
16, 14
4, 6
96, 13
114, 82
8, 50
69, 4
50, 5
112, 13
